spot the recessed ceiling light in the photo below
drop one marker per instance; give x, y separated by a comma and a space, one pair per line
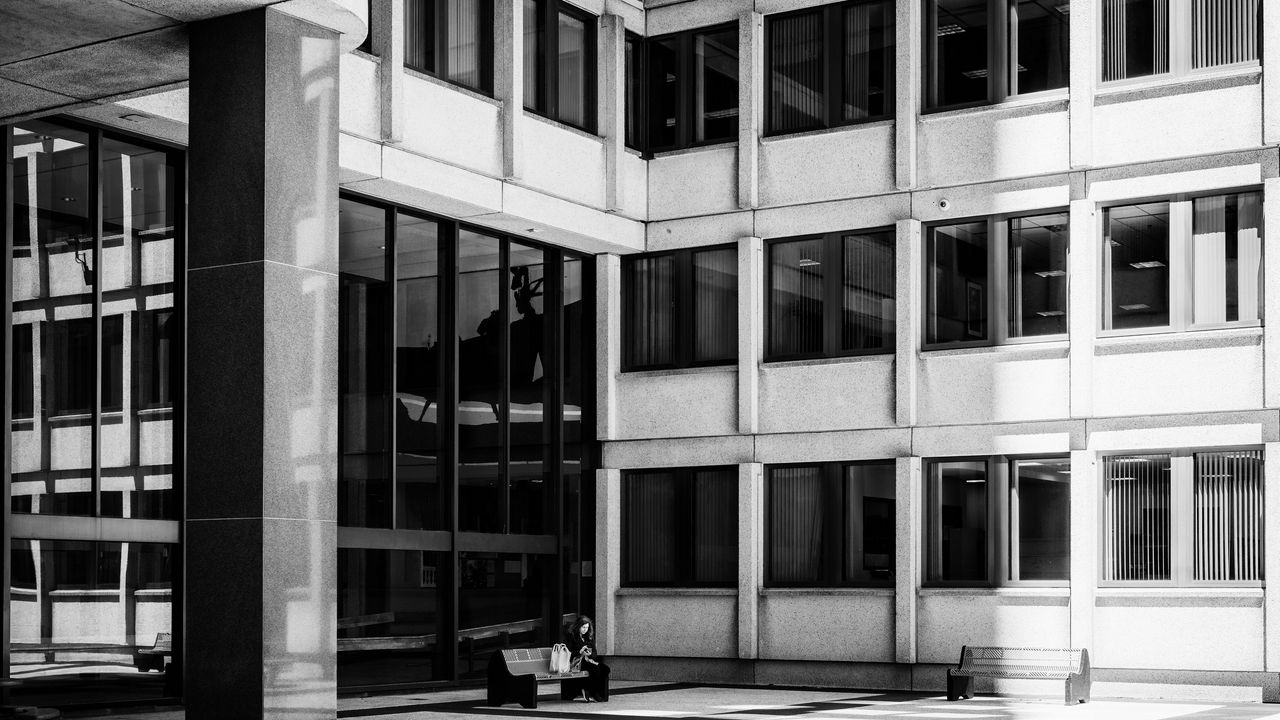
1051, 273
133, 117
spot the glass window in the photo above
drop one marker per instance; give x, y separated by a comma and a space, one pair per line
1223, 33
1227, 258
1037, 261
1136, 265
1138, 517
451, 39
680, 527
1039, 46
481, 505
831, 295
572, 75
958, 56
796, 72
1227, 510
367, 44
528, 424
1135, 38
664, 98
634, 73
957, 283
956, 497
693, 88
503, 601
1040, 520
1152, 37
715, 68
680, 309
22, 403
560, 62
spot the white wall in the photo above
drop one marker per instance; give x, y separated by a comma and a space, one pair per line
1178, 125
1007, 384
1178, 630
666, 404
993, 142
1197, 374
950, 619
453, 125
852, 626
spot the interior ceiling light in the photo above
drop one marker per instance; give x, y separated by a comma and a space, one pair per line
1051, 313
1051, 273
1146, 264
1064, 9
807, 262
975, 74
133, 117
950, 29
1136, 306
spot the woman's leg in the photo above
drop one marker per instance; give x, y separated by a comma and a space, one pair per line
599, 681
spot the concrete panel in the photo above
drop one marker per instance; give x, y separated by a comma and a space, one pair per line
690, 15
634, 183
359, 111
1182, 380
1009, 384
1178, 125
20, 99
995, 142
135, 62
834, 216
562, 162
1169, 630
699, 231
451, 125
812, 625
358, 159
684, 625
951, 619
732, 450
38, 27
678, 404
696, 182
798, 397
828, 165
1057, 437
833, 446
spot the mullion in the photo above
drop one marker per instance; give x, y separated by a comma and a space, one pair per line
554, 371
391, 270
95, 224
6, 210
447, 249
174, 681
504, 383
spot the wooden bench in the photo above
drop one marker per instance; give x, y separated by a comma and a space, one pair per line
1023, 663
152, 658
514, 676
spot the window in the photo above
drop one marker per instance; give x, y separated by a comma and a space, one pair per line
965, 546
964, 301
980, 51
367, 45
452, 40
830, 66
635, 105
560, 62
1183, 264
831, 295
680, 309
1154, 37
1183, 518
693, 88
830, 524
680, 527
22, 404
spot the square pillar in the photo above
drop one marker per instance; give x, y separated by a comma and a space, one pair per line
750, 106
608, 344
908, 313
1084, 545
750, 331
1083, 298
750, 557
508, 80
907, 560
608, 557
612, 89
1271, 555
1270, 73
262, 368
1271, 295
387, 26
909, 69
1084, 51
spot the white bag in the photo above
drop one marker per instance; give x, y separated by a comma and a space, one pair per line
559, 658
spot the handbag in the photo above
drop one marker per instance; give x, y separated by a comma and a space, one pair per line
559, 658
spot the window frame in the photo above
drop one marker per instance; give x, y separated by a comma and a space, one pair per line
685, 529
1000, 509
546, 102
1181, 40
1182, 477
1181, 266
440, 33
686, 87
634, 75
684, 297
838, 525
832, 297
833, 45
996, 295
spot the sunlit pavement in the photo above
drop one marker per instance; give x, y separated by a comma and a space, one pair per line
644, 701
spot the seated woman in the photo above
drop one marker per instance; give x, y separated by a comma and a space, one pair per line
581, 640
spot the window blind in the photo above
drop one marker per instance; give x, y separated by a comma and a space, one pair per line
1227, 257
1138, 517
464, 42
869, 276
795, 524
1228, 515
1135, 38
715, 526
1224, 32
715, 305
796, 77
651, 527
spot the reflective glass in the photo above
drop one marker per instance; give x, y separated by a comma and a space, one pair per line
1227, 258
503, 601
1040, 498
715, 75
870, 493
528, 430
390, 616
868, 61
466, 42
533, 72
869, 280
419, 34
573, 78
956, 524
796, 72
480, 332
956, 283
958, 62
419, 501
1135, 262
650, 310
795, 297
715, 305
1038, 275
1039, 46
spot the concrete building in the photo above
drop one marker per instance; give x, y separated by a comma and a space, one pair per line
796, 342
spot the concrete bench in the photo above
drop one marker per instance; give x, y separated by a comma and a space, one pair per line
152, 658
514, 676
1069, 665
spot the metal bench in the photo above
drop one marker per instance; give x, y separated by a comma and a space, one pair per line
514, 676
152, 658
1071, 665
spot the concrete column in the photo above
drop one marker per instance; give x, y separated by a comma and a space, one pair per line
387, 26
1271, 556
909, 310
750, 106
1270, 74
508, 80
608, 344
907, 557
608, 557
1083, 298
909, 53
1084, 78
1271, 294
750, 331
262, 368
750, 557
612, 89
1084, 545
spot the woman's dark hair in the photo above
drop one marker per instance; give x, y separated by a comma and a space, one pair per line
575, 629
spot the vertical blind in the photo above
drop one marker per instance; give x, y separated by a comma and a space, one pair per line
1138, 517
868, 291
795, 524
1224, 32
860, 21
1227, 258
571, 89
715, 526
419, 37
464, 42
650, 316
796, 72
795, 297
651, 527
715, 305
1228, 515
1135, 38
532, 54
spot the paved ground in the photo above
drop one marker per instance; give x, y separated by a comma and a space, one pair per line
637, 701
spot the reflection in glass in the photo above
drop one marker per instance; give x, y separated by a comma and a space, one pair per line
956, 524
528, 426
578, 532
1226, 258
868, 61
1038, 275
364, 495
796, 70
795, 297
957, 45
417, 404
1135, 266
650, 311
715, 305
504, 600
419, 35
715, 75
467, 42
870, 492
634, 91
664, 92
103, 608
572, 70
533, 52
956, 283
480, 331
1039, 46
1040, 498
868, 290
390, 605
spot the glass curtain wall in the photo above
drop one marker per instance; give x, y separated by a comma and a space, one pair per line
464, 462
94, 305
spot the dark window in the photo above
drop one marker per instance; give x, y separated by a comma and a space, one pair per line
153, 367
979, 51
1135, 261
830, 66
680, 527
451, 39
831, 524
680, 309
693, 88
831, 295
560, 62
1153, 37
23, 403
634, 79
